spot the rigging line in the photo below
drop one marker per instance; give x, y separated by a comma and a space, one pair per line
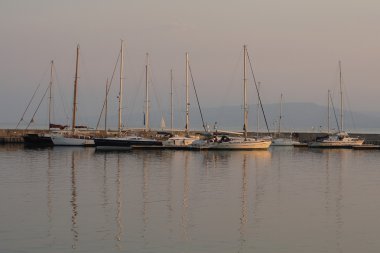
155, 93
30, 101
258, 93
229, 84
108, 90
177, 112
60, 93
140, 83
349, 105
336, 117
37, 107
196, 95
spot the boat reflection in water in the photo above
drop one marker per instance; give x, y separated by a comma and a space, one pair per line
174, 200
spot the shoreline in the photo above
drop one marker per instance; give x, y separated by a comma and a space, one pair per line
15, 135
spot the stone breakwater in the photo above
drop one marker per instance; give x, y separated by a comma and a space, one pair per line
15, 135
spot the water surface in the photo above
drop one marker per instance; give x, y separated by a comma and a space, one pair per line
281, 200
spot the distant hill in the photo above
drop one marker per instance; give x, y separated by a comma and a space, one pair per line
295, 117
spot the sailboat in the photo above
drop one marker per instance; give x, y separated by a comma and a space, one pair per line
73, 137
281, 141
126, 142
180, 142
42, 139
225, 142
341, 139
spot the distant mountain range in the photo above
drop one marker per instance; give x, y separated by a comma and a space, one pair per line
295, 117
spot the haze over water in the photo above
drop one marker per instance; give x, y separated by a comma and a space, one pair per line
281, 200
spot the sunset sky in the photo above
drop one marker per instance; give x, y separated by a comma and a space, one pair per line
295, 46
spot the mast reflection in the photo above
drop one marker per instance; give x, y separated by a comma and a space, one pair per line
49, 193
244, 200
145, 194
185, 199
119, 205
73, 201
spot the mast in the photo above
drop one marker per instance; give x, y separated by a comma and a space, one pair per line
187, 93
279, 120
75, 91
258, 110
50, 91
106, 107
341, 97
121, 87
147, 93
171, 99
245, 94
328, 111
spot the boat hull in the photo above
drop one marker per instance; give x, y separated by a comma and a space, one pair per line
72, 141
122, 143
243, 145
335, 144
180, 143
38, 140
284, 142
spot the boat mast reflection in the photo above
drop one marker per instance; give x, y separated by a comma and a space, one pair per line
244, 201
73, 201
49, 193
185, 200
119, 205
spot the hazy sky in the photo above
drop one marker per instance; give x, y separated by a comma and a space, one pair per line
295, 46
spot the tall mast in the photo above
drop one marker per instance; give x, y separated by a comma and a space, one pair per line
50, 90
245, 94
279, 120
75, 91
121, 87
328, 111
341, 97
171, 99
187, 93
106, 107
147, 93
258, 110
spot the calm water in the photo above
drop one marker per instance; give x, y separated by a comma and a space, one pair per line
281, 200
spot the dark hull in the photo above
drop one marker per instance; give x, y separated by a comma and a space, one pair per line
114, 143
36, 140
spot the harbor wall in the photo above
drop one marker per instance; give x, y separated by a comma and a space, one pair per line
15, 135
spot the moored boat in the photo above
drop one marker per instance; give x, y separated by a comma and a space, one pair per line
38, 140
341, 139
225, 142
338, 140
124, 143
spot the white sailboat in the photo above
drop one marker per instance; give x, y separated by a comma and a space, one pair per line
224, 142
340, 139
73, 137
282, 141
182, 141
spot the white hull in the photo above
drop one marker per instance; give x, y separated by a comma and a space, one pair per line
232, 143
178, 141
240, 145
338, 140
284, 142
71, 141
335, 144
